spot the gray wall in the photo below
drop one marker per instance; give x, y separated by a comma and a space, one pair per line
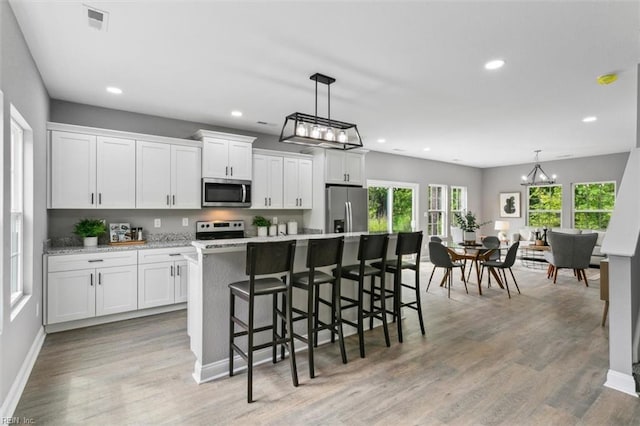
105, 118
587, 169
381, 166
23, 87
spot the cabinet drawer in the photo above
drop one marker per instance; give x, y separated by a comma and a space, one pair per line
163, 254
71, 262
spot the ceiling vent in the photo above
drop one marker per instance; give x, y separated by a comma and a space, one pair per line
97, 19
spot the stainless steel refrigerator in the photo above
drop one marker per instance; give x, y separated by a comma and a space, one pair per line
346, 209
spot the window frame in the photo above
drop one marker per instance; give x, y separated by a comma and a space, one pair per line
16, 179
573, 200
529, 211
390, 185
444, 209
463, 205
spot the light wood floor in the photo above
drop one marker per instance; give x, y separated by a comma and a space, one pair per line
539, 358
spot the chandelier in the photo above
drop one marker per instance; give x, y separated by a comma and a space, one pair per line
537, 176
312, 130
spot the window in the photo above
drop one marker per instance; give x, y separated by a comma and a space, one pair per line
17, 234
391, 206
437, 214
593, 204
545, 206
458, 200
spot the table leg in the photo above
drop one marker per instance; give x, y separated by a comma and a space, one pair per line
477, 263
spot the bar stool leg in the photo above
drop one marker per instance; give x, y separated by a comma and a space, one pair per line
232, 312
310, 329
371, 299
360, 316
274, 331
383, 306
250, 354
418, 302
289, 337
337, 319
397, 299
283, 325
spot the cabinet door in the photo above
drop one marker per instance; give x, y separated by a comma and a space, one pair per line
116, 290
334, 166
274, 179
71, 295
260, 183
181, 281
155, 284
291, 194
116, 173
240, 160
353, 165
215, 158
153, 175
305, 183
185, 177
73, 171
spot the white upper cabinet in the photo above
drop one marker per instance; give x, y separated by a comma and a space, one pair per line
266, 189
153, 175
343, 167
110, 169
225, 155
116, 173
167, 176
185, 177
92, 172
298, 177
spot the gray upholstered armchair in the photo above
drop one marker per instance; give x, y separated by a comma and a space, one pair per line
571, 251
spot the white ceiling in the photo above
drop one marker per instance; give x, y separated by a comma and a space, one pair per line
410, 72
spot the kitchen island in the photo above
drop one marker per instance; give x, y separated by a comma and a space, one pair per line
220, 262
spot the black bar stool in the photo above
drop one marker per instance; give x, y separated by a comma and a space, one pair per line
409, 243
264, 259
321, 253
371, 248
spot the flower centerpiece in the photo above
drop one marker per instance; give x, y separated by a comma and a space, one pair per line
469, 224
90, 230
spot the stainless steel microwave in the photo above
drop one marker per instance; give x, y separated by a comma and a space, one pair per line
226, 193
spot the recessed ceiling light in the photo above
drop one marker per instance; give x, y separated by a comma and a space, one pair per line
236, 113
494, 64
382, 140
589, 119
114, 90
426, 149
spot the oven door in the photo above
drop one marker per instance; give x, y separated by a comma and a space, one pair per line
226, 193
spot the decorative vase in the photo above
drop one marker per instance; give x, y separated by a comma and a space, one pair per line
262, 231
469, 237
90, 241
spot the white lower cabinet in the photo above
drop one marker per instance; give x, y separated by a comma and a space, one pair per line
82, 286
162, 277
77, 288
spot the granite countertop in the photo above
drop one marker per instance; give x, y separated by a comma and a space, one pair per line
240, 242
104, 248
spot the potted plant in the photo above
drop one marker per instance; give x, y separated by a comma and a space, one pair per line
468, 223
262, 224
90, 230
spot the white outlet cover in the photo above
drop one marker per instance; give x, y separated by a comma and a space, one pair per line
185, 221
157, 223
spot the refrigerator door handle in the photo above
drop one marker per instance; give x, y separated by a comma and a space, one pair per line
349, 218
346, 216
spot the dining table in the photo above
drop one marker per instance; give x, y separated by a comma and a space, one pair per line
475, 253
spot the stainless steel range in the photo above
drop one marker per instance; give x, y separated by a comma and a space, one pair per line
219, 229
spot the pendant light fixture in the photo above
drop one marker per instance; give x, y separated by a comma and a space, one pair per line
312, 130
537, 176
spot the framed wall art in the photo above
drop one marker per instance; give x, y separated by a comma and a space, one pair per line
509, 204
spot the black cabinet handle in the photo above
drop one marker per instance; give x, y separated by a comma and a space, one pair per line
96, 260
91, 281
100, 278
92, 198
226, 170
171, 270
99, 197
231, 170
177, 270
174, 200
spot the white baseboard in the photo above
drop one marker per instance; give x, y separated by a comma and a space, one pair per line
621, 382
15, 392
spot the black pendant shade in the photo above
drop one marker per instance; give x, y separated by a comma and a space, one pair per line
312, 130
